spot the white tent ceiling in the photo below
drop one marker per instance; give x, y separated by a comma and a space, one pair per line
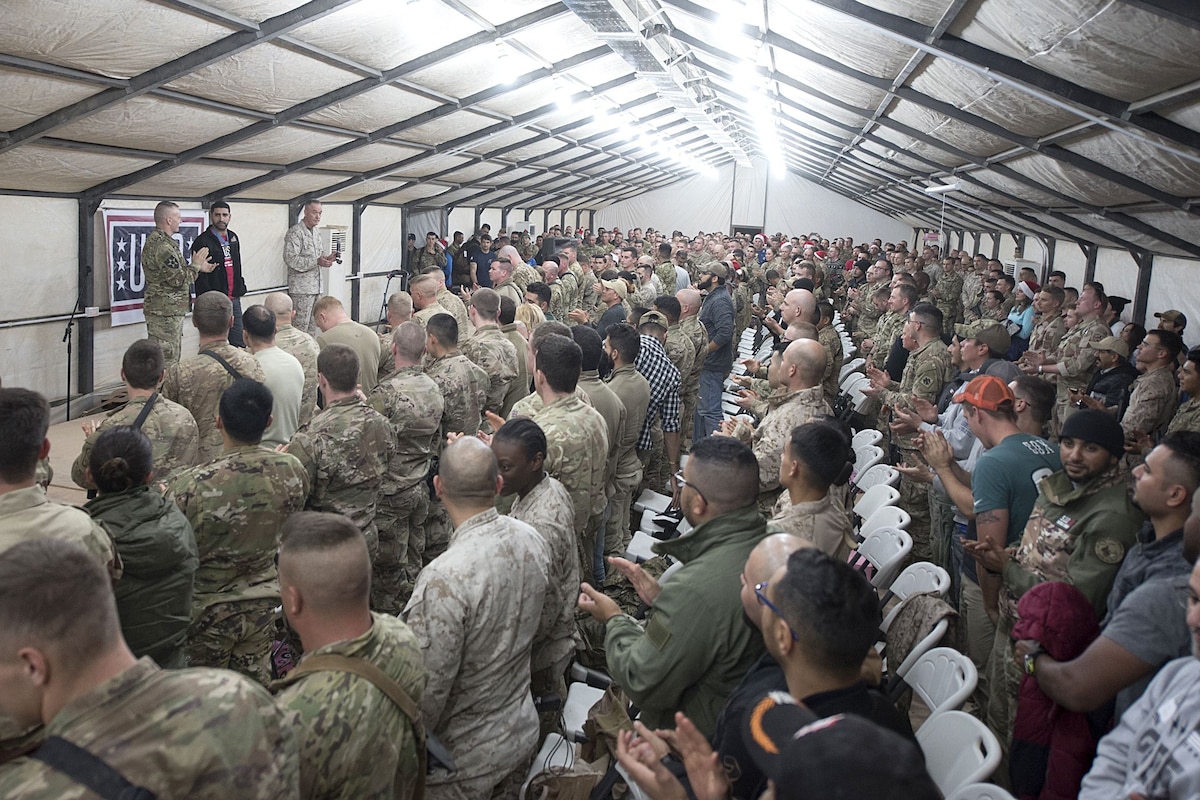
1076, 118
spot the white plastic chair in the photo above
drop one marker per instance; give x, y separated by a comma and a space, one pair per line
555, 752
959, 750
943, 678
981, 791
875, 498
922, 577
639, 547
669, 573
580, 699
865, 437
867, 457
854, 380
885, 517
876, 475
885, 549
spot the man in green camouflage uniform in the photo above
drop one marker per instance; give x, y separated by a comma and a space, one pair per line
1082, 524
664, 267
929, 368
203, 734
298, 344
168, 280
831, 340
169, 426
237, 504
491, 350
414, 405
520, 386
577, 442
355, 742
464, 388
346, 448
1075, 362
689, 385
26, 514
196, 383
623, 344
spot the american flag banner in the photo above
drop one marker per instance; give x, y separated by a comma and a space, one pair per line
125, 232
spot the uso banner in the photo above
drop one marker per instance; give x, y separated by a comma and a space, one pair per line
125, 232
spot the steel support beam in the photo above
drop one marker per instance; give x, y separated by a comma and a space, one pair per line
1141, 296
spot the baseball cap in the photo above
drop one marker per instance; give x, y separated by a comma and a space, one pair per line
806, 757
1173, 316
617, 286
1113, 344
657, 317
987, 392
1095, 426
986, 331
716, 268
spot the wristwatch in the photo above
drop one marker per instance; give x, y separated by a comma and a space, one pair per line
1031, 661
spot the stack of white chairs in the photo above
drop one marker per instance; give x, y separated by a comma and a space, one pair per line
865, 437
851, 365
943, 678
867, 456
959, 751
885, 550
884, 474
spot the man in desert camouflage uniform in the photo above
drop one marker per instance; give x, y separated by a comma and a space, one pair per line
168, 280
831, 340
346, 448
577, 442
680, 346
544, 504
947, 291
491, 350
1187, 417
689, 388
298, 344
237, 504
1075, 362
197, 733
1153, 396
169, 426
623, 344
451, 303
304, 257
464, 388
196, 383
862, 304
559, 294
901, 301
355, 741
929, 368
796, 376
26, 513
520, 386
1082, 524
478, 701
414, 405
502, 273
1050, 326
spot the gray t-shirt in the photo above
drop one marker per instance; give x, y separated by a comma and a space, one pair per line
1151, 624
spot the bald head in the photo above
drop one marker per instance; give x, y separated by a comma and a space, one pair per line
772, 553
807, 357
689, 302
799, 305
800, 330
323, 557
468, 473
550, 270
280, 305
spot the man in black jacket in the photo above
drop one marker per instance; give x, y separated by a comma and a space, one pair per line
225, 250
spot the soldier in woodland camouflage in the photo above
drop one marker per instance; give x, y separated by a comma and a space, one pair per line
476, 612
169, 426
798, 398
491, 350
196, 733
299, 344
577, 442
346, 448
237, 504
413, 404
196, 383
168, 280
355, 742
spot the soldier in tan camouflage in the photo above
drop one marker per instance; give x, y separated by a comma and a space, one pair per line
1075, 361
798, 398
1187, 418
197, 733
689, 387
196, 383
831, 340
577, 441
346, 448
816, 460
861, 307
169, 426
303, 253
414, 405
355, 741
1154, 396
476, 611
237, 504
168, 280
298, 344
1050, 327
489, 349
929, 368
622, 345
1082, 524
947, 291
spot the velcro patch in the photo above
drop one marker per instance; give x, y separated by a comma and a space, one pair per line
657, 632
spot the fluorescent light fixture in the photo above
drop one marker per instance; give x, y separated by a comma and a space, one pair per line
943, 188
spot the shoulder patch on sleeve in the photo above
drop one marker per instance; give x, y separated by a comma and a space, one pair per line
657, 632
1109, 550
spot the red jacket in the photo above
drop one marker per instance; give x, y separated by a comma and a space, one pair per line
1052, 748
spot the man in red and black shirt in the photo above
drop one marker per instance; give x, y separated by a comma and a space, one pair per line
224, 250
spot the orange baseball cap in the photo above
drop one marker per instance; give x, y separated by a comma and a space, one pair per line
987, 392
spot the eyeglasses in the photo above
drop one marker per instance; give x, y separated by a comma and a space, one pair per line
679, 482
760, 591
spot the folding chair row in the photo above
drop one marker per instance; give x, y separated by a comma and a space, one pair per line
959, 751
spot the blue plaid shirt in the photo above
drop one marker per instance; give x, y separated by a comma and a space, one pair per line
663, 377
